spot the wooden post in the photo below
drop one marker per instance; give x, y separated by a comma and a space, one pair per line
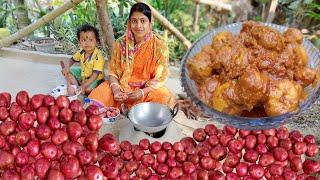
196, 18
106, 25
272, 11
42, 21
164, 22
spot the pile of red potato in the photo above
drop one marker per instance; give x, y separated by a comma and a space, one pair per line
46, 138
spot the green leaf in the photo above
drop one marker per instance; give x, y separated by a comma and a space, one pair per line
294, 5
307, 1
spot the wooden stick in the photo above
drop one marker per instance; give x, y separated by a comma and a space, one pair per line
196, 18
106, 25
217, 4
164, 22
42, 21
272, 11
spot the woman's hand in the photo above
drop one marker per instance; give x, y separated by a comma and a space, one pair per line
120, 96
135, 95
65, 71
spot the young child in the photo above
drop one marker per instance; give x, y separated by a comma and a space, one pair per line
91, 71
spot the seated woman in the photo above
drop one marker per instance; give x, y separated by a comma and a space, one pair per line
138, 67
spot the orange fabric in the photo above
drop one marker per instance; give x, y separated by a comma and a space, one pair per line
138, 66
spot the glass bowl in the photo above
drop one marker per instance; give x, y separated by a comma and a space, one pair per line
190, 87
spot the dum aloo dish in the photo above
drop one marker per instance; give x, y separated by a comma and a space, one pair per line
260, 72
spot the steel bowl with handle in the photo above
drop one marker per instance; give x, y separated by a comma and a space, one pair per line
151, 117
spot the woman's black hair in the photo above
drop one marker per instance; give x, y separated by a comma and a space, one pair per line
142, 8
87, 27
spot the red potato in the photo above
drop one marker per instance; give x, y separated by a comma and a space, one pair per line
42, 166
250, 142
65, 115
299, 148
131, 166
155, 147
49, 150
42, 115
162, 169
175, 173
225, 139
188, 141
280, 154
286, 144
242, 169
91, 142
243, 133
190, 150
302, 176
8, 127
162, 156
261, 139
213, 140
22, 98
126, 146
4, 113
108, 143
92, 110
94, 123
6, 159
55, 174
10, 174
22, 138
147, 160
269, 132
36, 101
171, 153
59, 136
181, 156
26, 121
54, 111
76, 106
310, 166
3, 101
256, 171
21, 158
43, 132
272, 142
266, 159
171, 162
48, 100
199, 134
296, 136
261, 149
288, 175
72, 148
33, 147
210, 129
251, 156
93, 173
80, 117
282, 133
137, 154
177, 146
2, 142
292, 155
309, 139
12, 140
193, 158
143, 172
235, 146
232, 160
70, 166
188, 167
53, 123
312, 150
62, 102
27, 172
127, 155
296, 164
144, 144
216, 175
14, 111
276, 170
218, 153
74, 130
232, 176
166, 145
85, 157
226, 169
7, 95
230, 130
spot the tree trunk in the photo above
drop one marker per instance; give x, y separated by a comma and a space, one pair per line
164, 22
21, 14
106, 25
42, 21
196, 19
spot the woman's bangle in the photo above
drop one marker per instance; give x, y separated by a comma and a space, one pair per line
142, 92
115, 84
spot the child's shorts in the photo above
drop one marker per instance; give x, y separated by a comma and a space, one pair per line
76, 72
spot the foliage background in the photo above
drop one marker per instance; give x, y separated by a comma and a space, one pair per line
303, 14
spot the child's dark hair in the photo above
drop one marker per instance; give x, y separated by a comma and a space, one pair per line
142, 8
87, 27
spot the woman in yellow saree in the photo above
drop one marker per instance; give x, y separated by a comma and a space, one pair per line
138, 67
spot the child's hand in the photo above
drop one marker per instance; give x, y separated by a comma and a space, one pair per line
65, 71
71, 91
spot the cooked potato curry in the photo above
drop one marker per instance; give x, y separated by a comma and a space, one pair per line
260, 72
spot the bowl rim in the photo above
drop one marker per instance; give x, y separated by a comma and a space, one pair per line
255, 121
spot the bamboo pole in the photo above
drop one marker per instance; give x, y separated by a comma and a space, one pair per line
272, 11
196, 19
164, 22
106, 25
215, 4
42, 21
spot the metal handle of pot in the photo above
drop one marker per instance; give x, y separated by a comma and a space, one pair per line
175, 110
